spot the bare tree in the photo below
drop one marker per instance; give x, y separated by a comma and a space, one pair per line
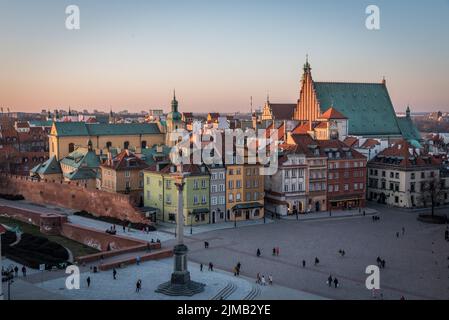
432, 192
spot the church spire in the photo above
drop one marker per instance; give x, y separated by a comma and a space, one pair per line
174, 102
407, 112
307, 67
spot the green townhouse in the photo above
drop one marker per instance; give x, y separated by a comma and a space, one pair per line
161, 193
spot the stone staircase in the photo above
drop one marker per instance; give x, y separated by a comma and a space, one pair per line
253, 294
224, 293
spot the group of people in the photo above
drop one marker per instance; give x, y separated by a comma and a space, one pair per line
342, 252
112, 230
14, 271
331, 281
210, 267
376, 218
262, 281
316, 262
276, 252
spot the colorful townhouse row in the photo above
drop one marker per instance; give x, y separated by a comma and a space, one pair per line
211, 194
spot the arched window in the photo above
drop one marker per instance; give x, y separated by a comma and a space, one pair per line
143, 144
126, 145
71, 147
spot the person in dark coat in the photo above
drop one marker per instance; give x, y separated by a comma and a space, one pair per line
329, 281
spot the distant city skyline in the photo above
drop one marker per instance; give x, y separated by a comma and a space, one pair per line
217, 54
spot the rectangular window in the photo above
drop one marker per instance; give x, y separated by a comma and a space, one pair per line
213, 188
204, 199
195, 199
213, 201
148, 180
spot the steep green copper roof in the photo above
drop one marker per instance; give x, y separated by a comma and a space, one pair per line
51, 166
408, 129
81, 174
81, 158
102, 129
367, 106
148, 154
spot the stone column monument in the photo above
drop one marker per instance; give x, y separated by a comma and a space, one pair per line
180, 283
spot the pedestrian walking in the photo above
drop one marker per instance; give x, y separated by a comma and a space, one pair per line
329, 281
270, 280
24, 271
211, 266
379, 261
264, 283
201, 267
274, 251
397, 234
138, 285
16, 271
403, 230
258, 252
336, 283
88, 282
138, 260
303, 263
258, 279
124, 229
383, 264
239, 265
317, 261
277, 251
114, 274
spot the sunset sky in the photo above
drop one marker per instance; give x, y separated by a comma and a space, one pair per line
216, 53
